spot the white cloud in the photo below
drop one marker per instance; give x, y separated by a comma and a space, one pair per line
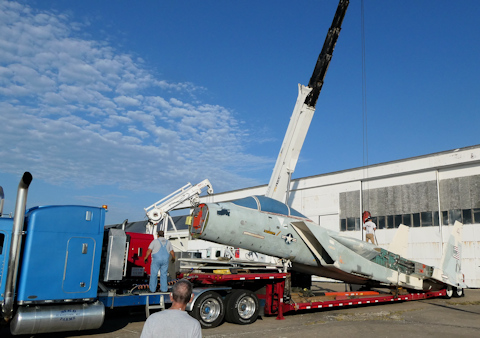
140, 133
126, 101
76, 110
115, 120
176, 102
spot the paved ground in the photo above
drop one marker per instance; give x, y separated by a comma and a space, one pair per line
459, 317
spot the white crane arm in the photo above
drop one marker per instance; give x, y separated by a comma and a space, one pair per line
291, 147
159, 210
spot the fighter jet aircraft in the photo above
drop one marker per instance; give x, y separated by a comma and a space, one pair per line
267, 225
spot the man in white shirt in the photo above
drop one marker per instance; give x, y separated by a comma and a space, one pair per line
370, 228
174, 322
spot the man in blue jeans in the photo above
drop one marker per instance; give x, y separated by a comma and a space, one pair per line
161, 249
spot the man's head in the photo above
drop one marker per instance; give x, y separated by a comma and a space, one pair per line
161, 233
182, 291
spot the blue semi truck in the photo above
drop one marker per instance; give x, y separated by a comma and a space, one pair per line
60, 267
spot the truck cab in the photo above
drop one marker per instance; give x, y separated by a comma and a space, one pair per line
49, 267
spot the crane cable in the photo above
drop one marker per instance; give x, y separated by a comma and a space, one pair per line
364, 105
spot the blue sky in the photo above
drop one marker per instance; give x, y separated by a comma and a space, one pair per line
123, 102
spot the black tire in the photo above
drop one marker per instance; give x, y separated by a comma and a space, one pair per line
458, 292
242, 307
209, 310
449, 290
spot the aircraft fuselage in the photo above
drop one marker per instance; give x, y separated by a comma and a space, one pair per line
267, 226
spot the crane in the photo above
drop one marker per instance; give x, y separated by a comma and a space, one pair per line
278, 187
158, 213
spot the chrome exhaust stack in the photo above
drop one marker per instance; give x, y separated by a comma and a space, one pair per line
15, 246
2, 198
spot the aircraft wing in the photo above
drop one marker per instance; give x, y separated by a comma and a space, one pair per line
316, 238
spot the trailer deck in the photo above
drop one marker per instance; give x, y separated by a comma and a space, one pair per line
334, 299
277, 297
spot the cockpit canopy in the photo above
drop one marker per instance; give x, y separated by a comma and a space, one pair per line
266, 204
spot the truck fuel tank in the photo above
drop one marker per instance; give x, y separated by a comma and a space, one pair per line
57, 318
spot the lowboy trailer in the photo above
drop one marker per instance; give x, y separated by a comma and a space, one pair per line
240, 298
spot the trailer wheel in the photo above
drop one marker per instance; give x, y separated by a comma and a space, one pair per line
209, 310
458, 293
449, 291
242, 307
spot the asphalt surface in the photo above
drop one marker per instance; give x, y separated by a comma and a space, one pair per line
438, 317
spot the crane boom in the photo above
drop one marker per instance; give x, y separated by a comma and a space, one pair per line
323, 61
303, 111
157, 213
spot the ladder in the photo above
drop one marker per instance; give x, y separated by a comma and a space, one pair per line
160, 306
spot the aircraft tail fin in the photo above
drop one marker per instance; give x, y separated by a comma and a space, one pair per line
451, 263
399, 245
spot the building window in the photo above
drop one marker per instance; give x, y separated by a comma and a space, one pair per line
397, 220
467, 216
435, 218
476, 215
416, 219
454, 215
426, 219
381, 222
389, 224
407, 219
445, 217
421, 219
351, 224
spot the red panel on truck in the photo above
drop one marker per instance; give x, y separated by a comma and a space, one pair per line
136, 253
